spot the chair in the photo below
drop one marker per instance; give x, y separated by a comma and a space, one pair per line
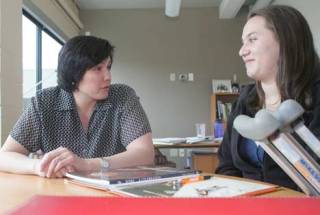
161, 160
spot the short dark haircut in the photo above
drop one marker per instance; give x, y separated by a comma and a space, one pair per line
77, 56
298, 59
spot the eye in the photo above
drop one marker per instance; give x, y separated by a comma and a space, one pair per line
252, 39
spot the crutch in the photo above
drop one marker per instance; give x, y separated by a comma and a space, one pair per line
289, 114
265, 129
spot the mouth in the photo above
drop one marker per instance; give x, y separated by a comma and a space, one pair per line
105, 88
246, 61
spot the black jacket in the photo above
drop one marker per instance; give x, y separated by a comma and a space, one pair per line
230, 162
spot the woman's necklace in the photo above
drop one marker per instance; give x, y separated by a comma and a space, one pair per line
272, 105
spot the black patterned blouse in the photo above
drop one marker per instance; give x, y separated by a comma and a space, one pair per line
52, 120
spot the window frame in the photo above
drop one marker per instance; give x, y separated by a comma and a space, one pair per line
39, 29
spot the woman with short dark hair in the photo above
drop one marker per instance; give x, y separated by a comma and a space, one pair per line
77, 56
279, 54
85, 123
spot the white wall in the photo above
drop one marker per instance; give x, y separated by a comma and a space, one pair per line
150, 46
310, 9
11, 64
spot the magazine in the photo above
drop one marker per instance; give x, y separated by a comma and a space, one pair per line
130, 176
213, 187
180, 140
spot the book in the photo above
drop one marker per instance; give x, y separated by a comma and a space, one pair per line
180, 140
130, 176
52, 205
213, 187
169, 140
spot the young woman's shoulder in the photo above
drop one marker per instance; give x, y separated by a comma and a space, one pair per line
53, 97
50, 91
121, 90
47, 94
247, 89
121, 93
316, 87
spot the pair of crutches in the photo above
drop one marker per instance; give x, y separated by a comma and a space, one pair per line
274, 132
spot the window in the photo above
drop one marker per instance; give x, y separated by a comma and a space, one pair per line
40, 56
29, 32
50, 52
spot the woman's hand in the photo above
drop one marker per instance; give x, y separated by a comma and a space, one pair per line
44, 173
60, 161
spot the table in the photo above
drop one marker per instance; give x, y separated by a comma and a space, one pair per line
204, 163
206, 144
16, 189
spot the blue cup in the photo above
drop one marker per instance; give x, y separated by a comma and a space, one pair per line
218, 128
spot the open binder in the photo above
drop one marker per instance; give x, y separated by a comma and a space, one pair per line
280, 134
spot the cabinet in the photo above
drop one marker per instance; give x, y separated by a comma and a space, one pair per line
205, 161
225, 98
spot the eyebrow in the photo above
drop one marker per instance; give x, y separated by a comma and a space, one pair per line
248, 35
107, 61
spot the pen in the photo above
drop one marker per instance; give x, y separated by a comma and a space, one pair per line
197, 178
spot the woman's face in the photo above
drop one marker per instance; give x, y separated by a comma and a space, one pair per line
260, 50
96, 81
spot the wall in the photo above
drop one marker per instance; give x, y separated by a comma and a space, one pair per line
10, 64
309, 8
150, 46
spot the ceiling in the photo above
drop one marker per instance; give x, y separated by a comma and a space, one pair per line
227, 8
131, 4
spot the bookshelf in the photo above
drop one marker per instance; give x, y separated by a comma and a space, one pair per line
208, 161
225, 98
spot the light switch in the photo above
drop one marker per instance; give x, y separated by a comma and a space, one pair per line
190, 77
172, 76
183, 77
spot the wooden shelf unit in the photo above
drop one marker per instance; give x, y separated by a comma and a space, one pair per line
224, 98
205, 162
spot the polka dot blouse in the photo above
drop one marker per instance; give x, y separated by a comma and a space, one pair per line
52, 120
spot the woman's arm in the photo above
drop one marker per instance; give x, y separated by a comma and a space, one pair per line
139, 152
314, 124
23, 139
14, 158
226, 165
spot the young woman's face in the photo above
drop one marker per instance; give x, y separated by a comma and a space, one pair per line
260, 50
96, 81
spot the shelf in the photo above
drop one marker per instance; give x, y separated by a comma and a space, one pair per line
226, 94
224, 97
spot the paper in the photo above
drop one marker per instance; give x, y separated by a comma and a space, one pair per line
169, 140
222, 187
214, 187
178, 140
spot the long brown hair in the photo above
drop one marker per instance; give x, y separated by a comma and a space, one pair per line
298, 62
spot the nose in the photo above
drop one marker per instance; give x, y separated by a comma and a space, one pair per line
244, 51
107, 74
